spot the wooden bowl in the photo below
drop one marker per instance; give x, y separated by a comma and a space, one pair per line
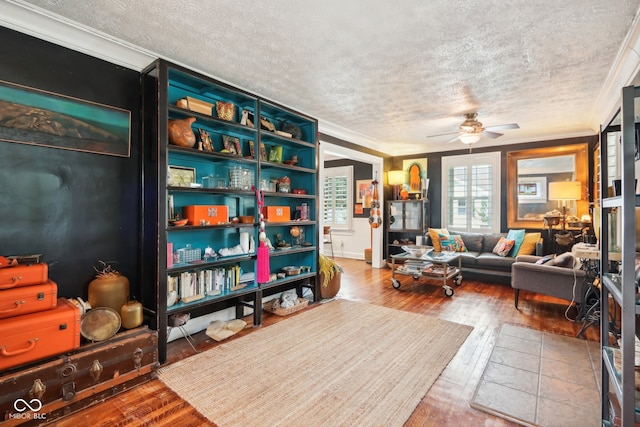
246, 219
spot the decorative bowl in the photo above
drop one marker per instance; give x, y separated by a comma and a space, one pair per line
246, 219
179, 222
417, 250
291, 270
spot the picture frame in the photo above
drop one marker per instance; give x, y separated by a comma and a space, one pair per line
54, 120
263, 152
275, 154
532, 189
416, 172
204, 140
232, 144
364, 192
179, 176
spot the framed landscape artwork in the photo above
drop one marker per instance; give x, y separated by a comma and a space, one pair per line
37, 117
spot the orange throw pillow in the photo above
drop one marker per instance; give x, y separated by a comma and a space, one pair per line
435, 233
528, 246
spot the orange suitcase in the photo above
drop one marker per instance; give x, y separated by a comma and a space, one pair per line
35, 336
23, 275
28, 299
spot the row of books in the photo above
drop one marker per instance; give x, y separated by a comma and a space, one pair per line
193, 285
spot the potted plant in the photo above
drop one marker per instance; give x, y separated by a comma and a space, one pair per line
330, 276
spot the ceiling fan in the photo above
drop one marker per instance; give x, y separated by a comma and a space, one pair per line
471, 130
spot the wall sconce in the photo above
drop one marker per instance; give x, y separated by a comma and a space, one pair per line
396, 180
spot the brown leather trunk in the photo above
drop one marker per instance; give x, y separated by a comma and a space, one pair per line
71, 382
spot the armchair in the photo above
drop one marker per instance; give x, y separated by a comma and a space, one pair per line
566, 282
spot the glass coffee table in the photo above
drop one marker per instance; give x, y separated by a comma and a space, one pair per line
437, 266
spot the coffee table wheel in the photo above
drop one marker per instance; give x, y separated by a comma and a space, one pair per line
458, 280
395, 283
448, 291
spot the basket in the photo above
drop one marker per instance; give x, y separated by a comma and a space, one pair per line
274, 308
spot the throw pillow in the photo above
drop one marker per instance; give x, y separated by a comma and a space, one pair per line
503, 246
517, 236
435, 233
529, 243
453, 243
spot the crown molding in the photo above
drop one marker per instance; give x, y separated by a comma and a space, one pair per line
345, 134
623, 72
42, 24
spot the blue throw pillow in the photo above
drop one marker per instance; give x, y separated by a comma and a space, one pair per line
518, 237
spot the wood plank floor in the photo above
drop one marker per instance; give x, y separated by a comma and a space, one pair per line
484, 306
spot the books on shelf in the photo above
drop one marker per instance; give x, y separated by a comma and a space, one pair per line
193, 285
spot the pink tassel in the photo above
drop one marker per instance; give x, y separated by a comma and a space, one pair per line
263, 263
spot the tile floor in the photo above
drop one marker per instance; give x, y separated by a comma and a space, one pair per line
540, 379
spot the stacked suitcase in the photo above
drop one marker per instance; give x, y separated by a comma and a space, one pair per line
34, 322
44, 372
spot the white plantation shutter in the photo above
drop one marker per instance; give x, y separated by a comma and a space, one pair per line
337, 196
471, 192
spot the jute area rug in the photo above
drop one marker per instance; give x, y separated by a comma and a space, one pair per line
342, 363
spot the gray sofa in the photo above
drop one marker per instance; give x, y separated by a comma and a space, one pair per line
480, 262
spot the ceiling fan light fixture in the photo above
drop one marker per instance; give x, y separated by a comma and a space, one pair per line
469, 138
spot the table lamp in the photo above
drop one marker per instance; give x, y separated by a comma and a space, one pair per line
396, 180
563, 191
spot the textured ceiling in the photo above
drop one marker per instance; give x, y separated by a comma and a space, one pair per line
391, 73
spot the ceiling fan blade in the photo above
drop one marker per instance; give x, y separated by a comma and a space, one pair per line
453, 140
503, 127
490, 134
442, 134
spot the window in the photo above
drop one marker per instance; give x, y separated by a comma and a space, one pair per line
471, 192
338, 197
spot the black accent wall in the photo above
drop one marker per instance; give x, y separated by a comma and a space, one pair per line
75, 208
434, 170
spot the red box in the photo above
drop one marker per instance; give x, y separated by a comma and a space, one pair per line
28, 299
276, 213
35, 336
206, 214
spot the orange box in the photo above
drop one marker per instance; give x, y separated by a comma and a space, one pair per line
276, 213
206, 214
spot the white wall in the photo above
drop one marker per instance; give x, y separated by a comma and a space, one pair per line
350, 244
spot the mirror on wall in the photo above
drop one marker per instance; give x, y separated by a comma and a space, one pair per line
542, 180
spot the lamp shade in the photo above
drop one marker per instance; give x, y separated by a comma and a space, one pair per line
565, 190
395, 177
469, 138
